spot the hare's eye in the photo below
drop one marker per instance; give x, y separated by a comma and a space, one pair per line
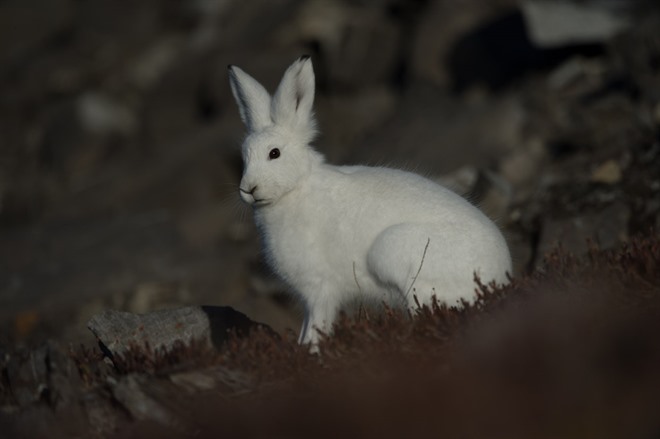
274, 153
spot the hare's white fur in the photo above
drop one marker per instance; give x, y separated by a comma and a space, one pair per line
337, 232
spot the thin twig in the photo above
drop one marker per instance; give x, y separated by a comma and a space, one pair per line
420, 267
361, 305
356, 281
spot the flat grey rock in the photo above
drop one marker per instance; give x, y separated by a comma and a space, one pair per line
119, 331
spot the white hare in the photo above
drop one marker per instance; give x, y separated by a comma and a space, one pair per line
336, 232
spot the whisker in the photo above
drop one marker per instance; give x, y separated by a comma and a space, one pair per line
233, 203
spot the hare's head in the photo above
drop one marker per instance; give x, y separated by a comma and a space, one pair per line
276, 152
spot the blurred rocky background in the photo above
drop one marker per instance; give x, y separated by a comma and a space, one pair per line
119, 138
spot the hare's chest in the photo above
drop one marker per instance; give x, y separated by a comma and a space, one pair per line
305, 249
288, 242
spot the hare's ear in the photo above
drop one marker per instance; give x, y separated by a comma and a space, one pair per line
252, 98
293, 100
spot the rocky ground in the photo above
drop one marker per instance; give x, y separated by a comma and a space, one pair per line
119, 139
570, 351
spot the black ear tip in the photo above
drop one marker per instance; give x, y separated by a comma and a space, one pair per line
304, 58
230, 66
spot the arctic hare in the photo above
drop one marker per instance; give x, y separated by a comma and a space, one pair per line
336, 232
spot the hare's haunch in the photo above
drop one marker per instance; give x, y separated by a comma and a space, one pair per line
337, 232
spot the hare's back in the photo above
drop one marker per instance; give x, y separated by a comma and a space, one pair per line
409, 194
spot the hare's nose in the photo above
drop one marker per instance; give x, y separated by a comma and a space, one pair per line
251, 191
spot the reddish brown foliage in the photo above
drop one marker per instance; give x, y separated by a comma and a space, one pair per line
570, 351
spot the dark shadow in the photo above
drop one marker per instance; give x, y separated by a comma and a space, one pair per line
225, 320
498, 53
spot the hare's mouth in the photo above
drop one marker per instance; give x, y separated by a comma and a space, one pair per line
260, 202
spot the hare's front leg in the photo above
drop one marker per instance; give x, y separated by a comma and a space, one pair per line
320, 313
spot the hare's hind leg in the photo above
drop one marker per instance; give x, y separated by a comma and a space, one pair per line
397, 259
415, 260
